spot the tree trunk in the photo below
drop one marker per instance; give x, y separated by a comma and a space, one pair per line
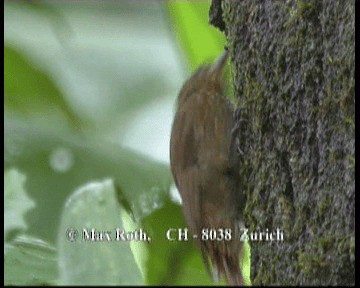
293, 72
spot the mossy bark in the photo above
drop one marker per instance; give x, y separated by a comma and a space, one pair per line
293, 73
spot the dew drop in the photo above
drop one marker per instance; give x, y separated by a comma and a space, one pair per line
61, 160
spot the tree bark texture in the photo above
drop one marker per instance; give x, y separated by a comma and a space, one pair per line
293, 65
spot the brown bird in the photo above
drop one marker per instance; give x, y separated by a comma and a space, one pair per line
204, 164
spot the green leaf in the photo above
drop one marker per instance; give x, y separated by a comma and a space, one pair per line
30, 261
83, 261
165, 262
246, 263
200, 41
62, 29
58, 164
16, 201
29, 91
176, 262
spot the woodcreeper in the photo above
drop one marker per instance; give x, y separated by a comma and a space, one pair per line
204, 164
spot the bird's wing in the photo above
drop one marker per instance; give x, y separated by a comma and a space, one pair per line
187, 174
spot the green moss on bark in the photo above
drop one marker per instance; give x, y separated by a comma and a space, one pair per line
293, 70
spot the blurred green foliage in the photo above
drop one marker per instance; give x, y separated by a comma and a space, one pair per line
38, 95
95, 204
54, 148
201, 42
30, 261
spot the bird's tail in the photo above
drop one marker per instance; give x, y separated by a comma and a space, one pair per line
230, 270
225, 263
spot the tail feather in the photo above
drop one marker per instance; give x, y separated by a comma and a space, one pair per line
233, 274
225, 264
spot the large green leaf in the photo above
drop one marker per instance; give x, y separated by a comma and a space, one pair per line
172, 262
30, 261
55, 165
165, 262
89, 213
177, 262
29, 91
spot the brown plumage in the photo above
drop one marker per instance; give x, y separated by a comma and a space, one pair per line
205, 167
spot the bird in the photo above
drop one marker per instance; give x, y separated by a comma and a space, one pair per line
204, 163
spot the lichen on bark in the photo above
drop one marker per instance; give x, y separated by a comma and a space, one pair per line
293, 73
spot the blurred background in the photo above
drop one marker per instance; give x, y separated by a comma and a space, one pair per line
89, 96
116, 65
